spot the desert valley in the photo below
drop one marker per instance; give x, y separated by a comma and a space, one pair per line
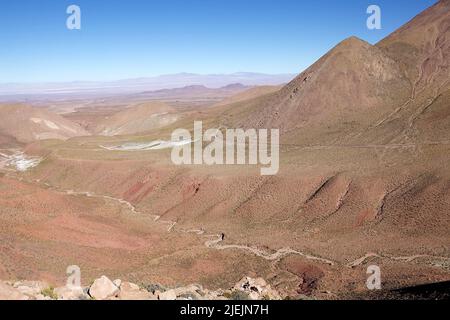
364, 179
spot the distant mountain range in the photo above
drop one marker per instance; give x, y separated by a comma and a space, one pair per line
25, 91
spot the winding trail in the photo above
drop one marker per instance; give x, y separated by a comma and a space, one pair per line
279, 254
363, 259
214, 240
123, 202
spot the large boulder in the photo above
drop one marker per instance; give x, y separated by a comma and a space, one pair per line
117, 283
167, 295
257, 289
131, 291
191, 292
103, 288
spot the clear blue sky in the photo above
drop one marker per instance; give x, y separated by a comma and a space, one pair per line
137, 38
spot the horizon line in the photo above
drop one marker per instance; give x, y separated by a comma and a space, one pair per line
151, 77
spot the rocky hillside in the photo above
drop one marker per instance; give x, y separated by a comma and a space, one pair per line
105, 289
396, 91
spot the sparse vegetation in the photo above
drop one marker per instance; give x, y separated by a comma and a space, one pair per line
49, 292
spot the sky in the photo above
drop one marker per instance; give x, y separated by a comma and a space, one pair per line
141, 38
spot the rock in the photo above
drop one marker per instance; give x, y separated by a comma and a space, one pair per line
260, 282
191, 292
246, 284
117, 283
191, 289
257, 289
167, 295
31, 288
131, 291
71, 293
7, 292
103, 288
128, 286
